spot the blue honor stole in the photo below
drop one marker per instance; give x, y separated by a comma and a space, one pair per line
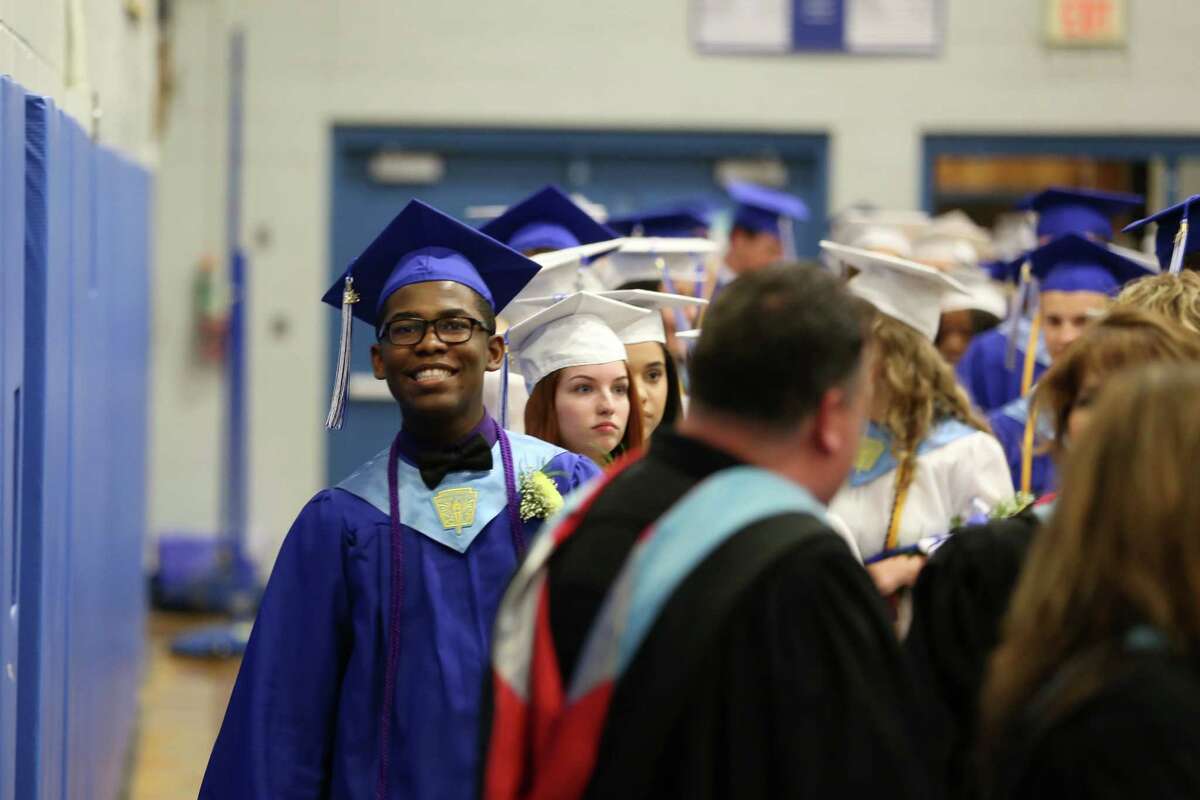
876, 458
462, 505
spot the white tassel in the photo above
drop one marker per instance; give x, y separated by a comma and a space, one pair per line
787, 235
341, 376
1180, 246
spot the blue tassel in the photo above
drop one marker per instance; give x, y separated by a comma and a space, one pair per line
341, 376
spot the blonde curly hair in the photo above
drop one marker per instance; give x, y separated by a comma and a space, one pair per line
1176, 297
919, 390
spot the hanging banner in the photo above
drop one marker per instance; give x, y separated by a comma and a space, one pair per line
856, 27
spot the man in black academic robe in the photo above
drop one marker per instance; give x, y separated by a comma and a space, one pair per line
760, 676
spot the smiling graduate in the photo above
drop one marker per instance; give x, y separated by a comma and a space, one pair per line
363, 674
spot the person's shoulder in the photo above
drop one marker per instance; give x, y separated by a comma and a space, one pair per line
530, 453
1145, 724
987, 345
981, 443
526, 448
996, 544
815, 542
337, 516
1008, 421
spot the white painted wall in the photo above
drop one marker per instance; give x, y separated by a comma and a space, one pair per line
96, 60
620, 64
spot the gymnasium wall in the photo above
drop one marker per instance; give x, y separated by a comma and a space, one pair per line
627, 64
76, 134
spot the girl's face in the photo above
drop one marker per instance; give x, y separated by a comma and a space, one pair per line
1080, 415
592, 404
648, 366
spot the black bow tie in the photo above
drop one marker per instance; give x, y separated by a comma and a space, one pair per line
474, 455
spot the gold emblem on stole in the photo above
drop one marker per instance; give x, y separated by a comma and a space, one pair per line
869, 451
456, 508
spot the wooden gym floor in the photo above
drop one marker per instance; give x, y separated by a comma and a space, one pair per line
182, 704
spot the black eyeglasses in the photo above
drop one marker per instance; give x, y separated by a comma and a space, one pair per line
408, 331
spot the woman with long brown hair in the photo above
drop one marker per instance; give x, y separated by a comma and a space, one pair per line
1095, 688
964, 590
928, 458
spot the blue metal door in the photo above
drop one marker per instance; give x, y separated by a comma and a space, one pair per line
624, 171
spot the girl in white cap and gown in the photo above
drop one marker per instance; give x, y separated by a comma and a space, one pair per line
581, 394
927, 460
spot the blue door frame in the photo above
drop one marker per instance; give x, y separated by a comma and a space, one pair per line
625, 169
1132, 148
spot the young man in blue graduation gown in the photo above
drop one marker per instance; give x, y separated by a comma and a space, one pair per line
363, 674
985, 370
1077, 277
762, 232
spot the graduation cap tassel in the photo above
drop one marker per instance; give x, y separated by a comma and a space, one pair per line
341, 376
1180, 245
1014, 322
701, 277
504, 386
787, 235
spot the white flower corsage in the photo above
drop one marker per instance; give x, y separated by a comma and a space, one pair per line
540, 497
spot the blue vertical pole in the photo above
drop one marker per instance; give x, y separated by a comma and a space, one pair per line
229, 582
234, 496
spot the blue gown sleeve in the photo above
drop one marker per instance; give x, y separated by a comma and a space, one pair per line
1011, 435
277, 737
570, 471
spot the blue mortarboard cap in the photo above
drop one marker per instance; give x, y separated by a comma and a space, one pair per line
676, 222
1074, 263
1003, 270
760, 209
546, 220
421, 244
1084, 211
1174, 238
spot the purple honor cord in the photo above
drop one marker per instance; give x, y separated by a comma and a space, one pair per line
397, 585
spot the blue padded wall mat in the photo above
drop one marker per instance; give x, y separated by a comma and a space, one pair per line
12, 348
86, 330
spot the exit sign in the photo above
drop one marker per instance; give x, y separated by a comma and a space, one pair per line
1086, 23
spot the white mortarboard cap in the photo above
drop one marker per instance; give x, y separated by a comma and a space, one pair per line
903, 290
890, 231
951, 241
650, 328
577, 330
647, 329
562, 272
959, 225
981, 294
645, 258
